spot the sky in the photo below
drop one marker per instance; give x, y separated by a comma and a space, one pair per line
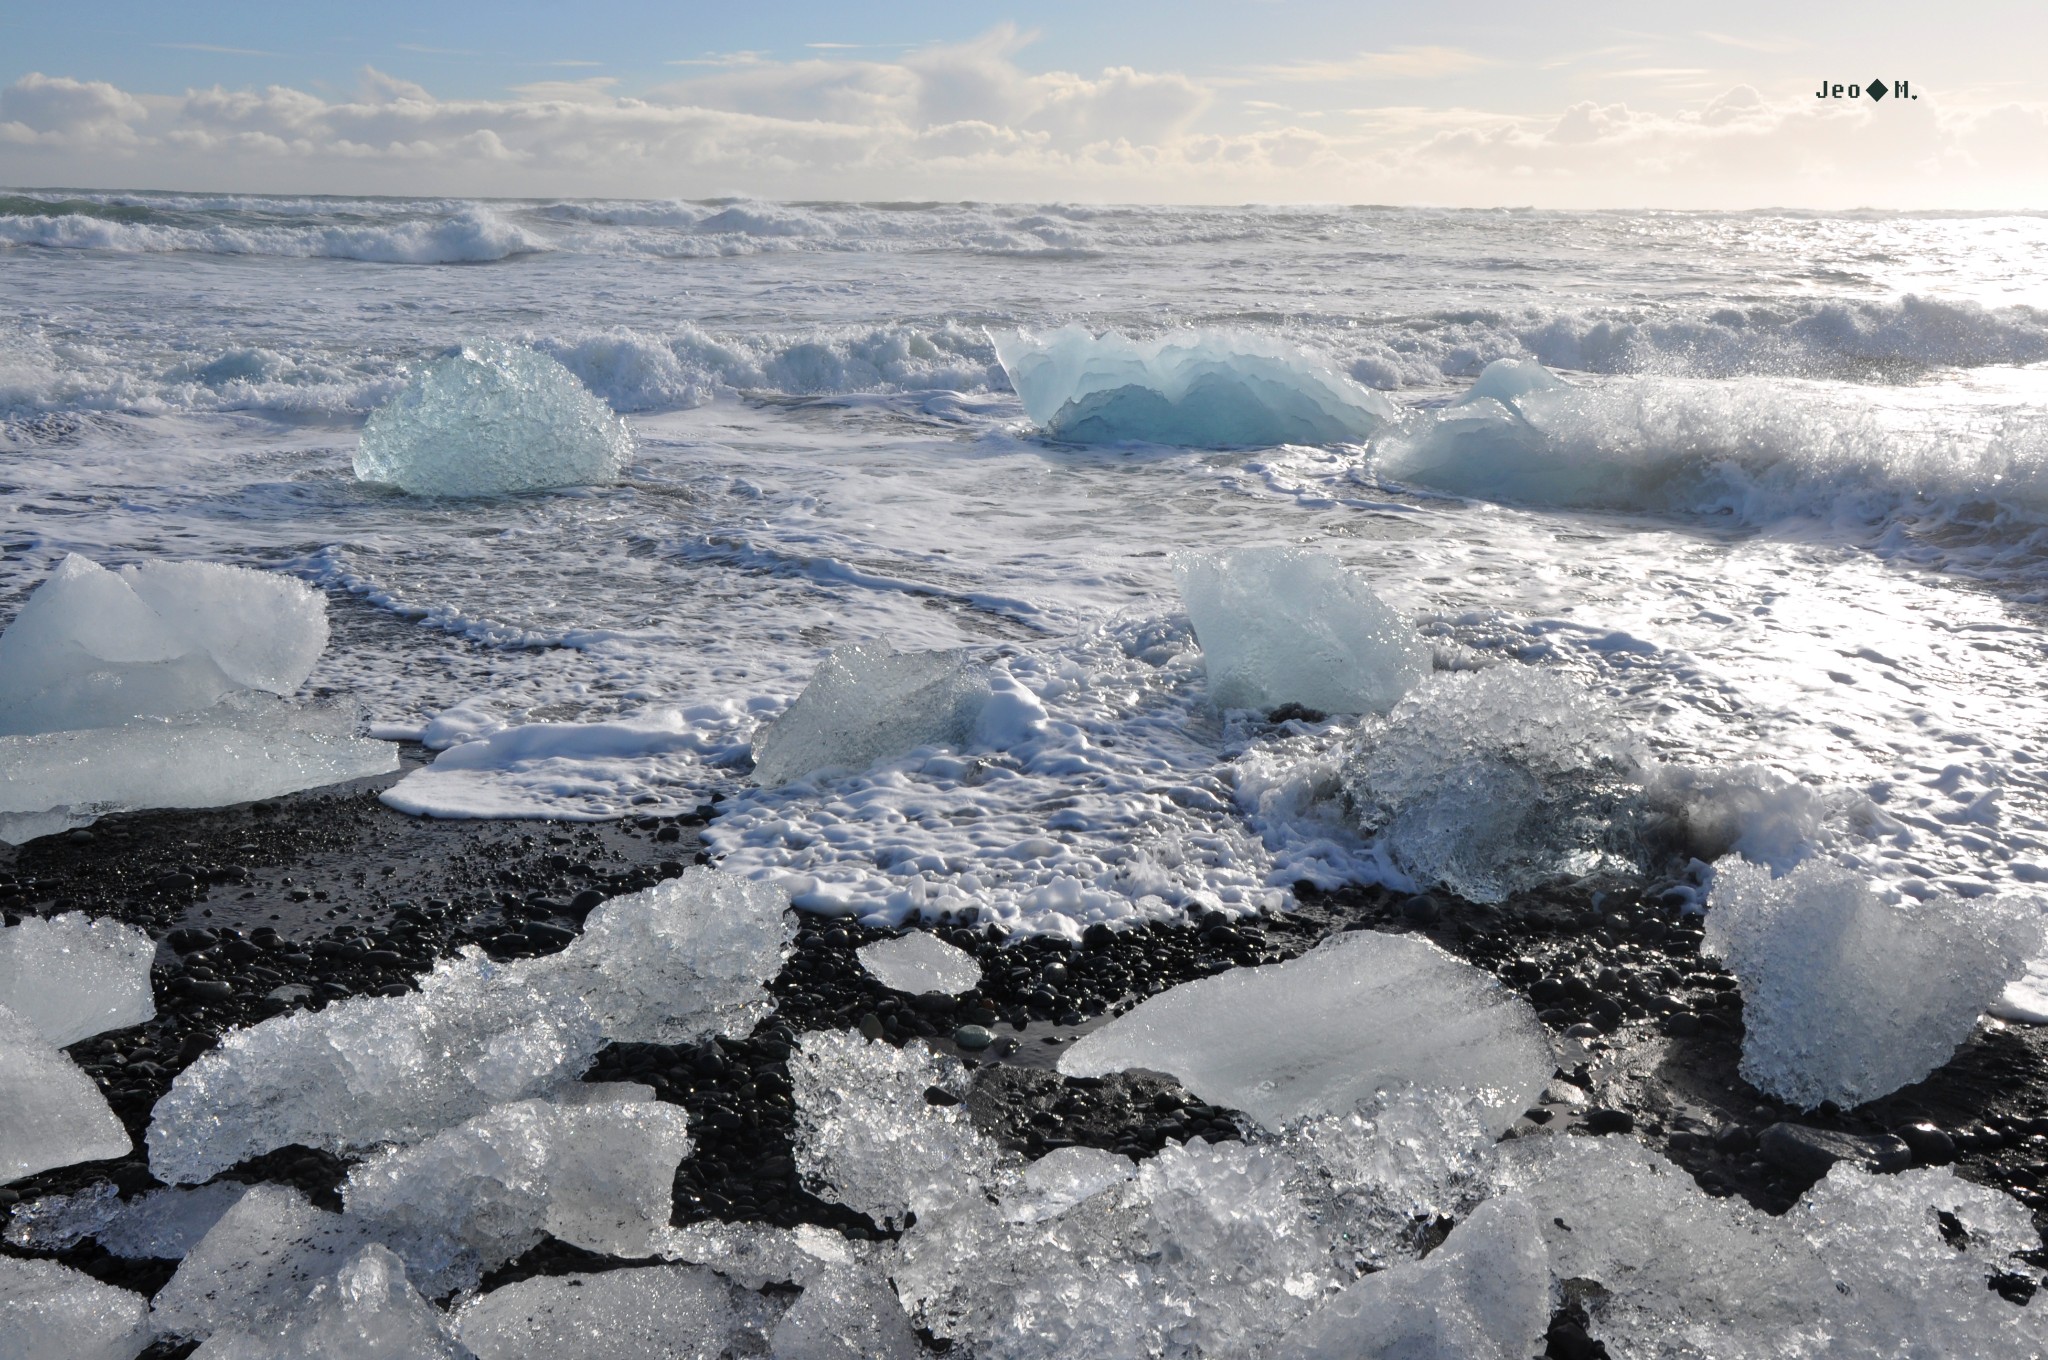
1474, 104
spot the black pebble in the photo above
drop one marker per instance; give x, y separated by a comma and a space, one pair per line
1601, 1119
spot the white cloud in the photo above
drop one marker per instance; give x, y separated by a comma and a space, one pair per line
965, 120
1402, 63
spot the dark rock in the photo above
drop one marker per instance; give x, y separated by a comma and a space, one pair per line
191, 940
1930, 1144
1602, 1119
1547, 991
586, 901
1734, 1140
1806, 1152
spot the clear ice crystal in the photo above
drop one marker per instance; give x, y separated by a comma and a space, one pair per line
1492, 782
846, 1312
1483, 1295
248, 746
920, 962
489, 419
1201, 389
366, 1310
868, 1138
1321, 1034
96, 648
1850, 993
372, 1070
1291, 626
1203, 1251
680, 962
71, 977
256, 1266
676, 1312
51, 1113
160, 1225
49, 1311
871, 703
600, 1177
677, 963
1861, 1267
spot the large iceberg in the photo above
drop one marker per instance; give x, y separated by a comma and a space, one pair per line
94, 648
681, 962
1203, 389
49, 1311
71, 977
868, 703
1491, 782
156, 686
1849, 993
1325, 1033
597, 1176
493, 418
51, 1114
1291, 626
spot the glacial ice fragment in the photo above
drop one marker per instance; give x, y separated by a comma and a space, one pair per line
651, 1313
52, 1312
155, 686
1492, 782
51, 1113
869, 1138
71, 977
919, 962
247, 747
367, 1310
846, 1312
489, 419
1323, 1033
677, 963
1203, 389
1203, 1250
680, 962
600, 1177
371, 1070
1483, 1295
95, 648
162, 1224
256, 1266
1849, 994
867, 704
1290, 626
1863, 1266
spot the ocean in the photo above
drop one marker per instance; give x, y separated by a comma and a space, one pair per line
1796, 515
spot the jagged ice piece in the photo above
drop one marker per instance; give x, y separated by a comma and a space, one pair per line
255, 1267
651, 1313
679, 962
1322, 1033
1291, 626
1849, 994
871, 703
162, 1224
1495, 781
95, 648
246, 747
52, 1312
919, 962
51, 1113
1483, 1295
489, 419
367, 1310
600, 1177
1203, 389
71, 977
868, 1136
371, 1070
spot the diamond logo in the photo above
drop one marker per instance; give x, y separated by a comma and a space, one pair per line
1875, 89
